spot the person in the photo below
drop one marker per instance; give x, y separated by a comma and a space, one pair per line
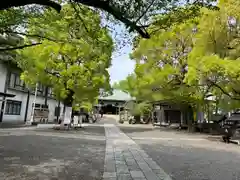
87, 117
229, 132
101, 112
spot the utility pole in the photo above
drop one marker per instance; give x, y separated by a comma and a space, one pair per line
4, 97
34, 102
27, 105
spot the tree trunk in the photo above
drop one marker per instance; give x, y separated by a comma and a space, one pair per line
190, 119
46, 96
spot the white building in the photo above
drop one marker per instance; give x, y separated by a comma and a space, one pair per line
19, 108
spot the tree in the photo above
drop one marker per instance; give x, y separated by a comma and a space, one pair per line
162, 64
132, 13
72, 58
215, 56
189, 61
13, 23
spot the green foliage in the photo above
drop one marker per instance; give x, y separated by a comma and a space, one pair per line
141, 108
135, 14
214, 58
162, 64
187, 61
73, 56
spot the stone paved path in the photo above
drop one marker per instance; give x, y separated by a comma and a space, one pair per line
125, 160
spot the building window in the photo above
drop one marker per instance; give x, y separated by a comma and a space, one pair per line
40, 106
40, 89
16, 82
50, 92
13, 107
57, 111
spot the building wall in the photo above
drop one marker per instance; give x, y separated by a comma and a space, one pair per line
3, 74
106, 102
21, 95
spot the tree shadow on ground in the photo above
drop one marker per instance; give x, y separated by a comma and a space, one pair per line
88, 130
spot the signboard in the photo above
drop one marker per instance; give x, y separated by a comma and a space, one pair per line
75, 120
67, 115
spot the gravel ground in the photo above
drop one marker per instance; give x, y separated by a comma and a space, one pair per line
191, 158
34, 155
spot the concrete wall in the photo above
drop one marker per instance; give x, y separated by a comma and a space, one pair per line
3, 74
22, 96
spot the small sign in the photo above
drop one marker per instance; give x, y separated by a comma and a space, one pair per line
67, 115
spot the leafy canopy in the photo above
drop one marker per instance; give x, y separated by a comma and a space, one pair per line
191, 60
72, 58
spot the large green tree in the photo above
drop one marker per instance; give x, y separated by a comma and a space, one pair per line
214, 59
72, 58
161, 64
189, 61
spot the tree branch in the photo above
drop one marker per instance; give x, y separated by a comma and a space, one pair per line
145, 11
235, 91
31, 35
52, 73
18, 47
222, 90
104, 5
78, 15
17, 3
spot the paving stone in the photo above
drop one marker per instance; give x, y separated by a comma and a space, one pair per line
110, 166
150, 175
123, 162
109, 152
163, 176
119, 158
109, 158
109, 174
128, 155
127, 160
144, 166
134, 168
124, 177
144, 155
157, 171
137, 174
122, 170
138, 157
110, 178
153, 165
131, 161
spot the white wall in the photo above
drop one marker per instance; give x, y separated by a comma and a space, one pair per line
3, 74
51, 105
22, 96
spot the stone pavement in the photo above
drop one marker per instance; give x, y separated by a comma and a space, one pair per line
125, 160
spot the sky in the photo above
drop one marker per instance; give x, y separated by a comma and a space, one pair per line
122, 65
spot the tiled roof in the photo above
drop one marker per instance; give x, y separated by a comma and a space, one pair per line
118, 96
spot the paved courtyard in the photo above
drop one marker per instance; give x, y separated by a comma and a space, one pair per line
52, 155
109, 151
